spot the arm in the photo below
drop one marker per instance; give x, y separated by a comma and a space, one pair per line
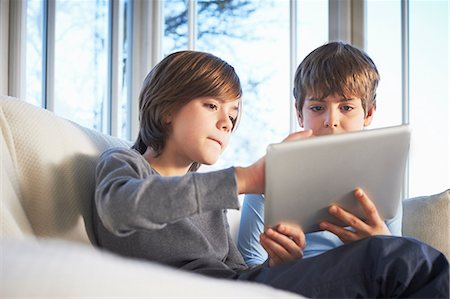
395, 224
130, 195
250, 228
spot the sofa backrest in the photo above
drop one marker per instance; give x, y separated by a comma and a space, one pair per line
427, 218
48, 181
48, 173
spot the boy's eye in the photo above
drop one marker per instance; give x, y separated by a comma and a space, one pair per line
347, 108
316, 108
212, 106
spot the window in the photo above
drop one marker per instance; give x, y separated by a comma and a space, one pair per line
252, 37
384, 47
80, 64
429, 97
256, 43
77, 65
312, 26
120, 72
34, 53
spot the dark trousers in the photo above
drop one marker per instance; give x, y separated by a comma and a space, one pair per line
375, 267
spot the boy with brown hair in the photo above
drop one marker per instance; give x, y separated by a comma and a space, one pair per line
334, 90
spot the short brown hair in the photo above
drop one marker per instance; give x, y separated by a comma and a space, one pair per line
336, 68
172, 83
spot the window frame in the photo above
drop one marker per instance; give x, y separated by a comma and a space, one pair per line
145, 29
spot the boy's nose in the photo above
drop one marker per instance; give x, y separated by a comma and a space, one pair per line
331, 120
331, 124
225, 123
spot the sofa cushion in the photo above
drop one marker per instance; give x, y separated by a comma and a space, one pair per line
55, 164
427, 218
13, 220
61, 269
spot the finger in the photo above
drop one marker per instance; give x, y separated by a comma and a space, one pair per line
286, 242
285, 246
294, 232
273, 259
368, 206
348, 218
298, 135
345, 235
268, 245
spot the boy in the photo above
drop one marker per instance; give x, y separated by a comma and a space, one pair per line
335, 89
151, 204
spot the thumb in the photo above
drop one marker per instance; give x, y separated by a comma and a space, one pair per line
298, 135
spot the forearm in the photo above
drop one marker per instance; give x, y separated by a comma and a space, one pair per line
251, 179
250, 228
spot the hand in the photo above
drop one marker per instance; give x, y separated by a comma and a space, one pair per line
284, 242
252, 179
298, 135
372, 226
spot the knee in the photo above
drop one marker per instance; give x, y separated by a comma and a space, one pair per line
388, 246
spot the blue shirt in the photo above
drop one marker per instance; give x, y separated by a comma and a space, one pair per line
252, 225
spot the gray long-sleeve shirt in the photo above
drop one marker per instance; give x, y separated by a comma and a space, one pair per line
178, 221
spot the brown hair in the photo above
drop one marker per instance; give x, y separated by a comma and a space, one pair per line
172, 83
336, 68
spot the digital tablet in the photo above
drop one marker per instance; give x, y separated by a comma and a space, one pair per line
304, 177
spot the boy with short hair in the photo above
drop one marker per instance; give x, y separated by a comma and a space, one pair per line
334, 90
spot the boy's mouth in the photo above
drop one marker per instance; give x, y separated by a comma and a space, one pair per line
216, 140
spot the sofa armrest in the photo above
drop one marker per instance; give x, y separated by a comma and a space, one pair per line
53, 268
427, 218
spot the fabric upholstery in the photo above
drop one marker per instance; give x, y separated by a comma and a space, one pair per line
13, 220
427, 218
55, 161
61, 269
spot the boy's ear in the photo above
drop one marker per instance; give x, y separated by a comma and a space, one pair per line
168, 118
299, 116
369, 116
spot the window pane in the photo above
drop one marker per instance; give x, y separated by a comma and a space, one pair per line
253, 36
124, 70
312, 25
312, 29
429, 97
81, 62
384, 47
34, 62
175, 26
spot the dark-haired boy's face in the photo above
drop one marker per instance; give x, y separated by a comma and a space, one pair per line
334, 114
200, 130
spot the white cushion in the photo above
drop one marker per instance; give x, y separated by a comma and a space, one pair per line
13, 220
55, 163
61, 269
427, 218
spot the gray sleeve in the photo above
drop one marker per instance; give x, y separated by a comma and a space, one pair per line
130, 196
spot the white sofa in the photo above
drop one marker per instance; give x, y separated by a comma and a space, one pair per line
47, 186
